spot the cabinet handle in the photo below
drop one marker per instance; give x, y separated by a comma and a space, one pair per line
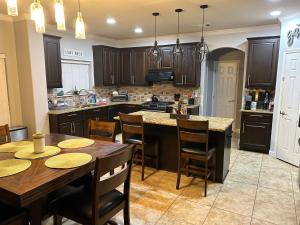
97, 110
74, 128
185, 79
249, 79
71, 128
256, 116
264, 127
182, 79
70, 115
133, 79
243, 131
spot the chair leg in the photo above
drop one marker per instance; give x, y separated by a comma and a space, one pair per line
178, 173
205, 188
143, 164
126, 213
157, 156
205, 178
57, 220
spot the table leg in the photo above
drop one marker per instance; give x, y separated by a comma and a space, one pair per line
35, 213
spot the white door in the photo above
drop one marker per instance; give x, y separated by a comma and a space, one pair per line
289, 131
4, 105
225, 88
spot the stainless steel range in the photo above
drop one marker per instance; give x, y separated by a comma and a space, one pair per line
157, 106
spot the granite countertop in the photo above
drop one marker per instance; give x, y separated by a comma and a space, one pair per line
257, 111
215, 123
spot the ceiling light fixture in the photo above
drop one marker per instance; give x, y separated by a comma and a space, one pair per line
155, 50
80, 26
138, 30
201, 48
12, 7
37, 14
111, 20
60, 15
178, 49
275, 13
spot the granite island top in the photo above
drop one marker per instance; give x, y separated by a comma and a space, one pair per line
215, 123
70, 110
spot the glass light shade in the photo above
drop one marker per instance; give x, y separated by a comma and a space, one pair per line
155, 52
80, 27
37, 14
177, 50
60, 15
201, 50
12, 7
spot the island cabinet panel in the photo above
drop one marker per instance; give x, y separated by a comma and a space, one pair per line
53, 61
262, 62
256, 132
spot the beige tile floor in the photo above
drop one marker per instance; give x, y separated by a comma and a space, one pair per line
258, 190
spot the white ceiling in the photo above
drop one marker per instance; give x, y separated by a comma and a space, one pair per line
221, 14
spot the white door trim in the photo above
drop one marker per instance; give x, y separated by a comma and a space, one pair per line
2, 56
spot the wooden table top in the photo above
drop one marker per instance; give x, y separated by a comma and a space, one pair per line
37, 181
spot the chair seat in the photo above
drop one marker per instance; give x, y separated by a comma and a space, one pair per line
198, 150
10, 215
80, 204
137, 140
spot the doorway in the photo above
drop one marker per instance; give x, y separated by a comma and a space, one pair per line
4, 102
288, 148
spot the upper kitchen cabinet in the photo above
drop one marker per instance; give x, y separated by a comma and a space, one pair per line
53, 61
139, 67
166, 58
106, 65
125, 63
187, 67
262, 62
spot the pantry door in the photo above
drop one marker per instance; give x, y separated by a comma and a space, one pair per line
4, 105
289, 131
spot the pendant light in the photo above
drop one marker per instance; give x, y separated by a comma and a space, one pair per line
201, 48
12, 7
37, 14
155, 50
80, 27
59, 15
178, 49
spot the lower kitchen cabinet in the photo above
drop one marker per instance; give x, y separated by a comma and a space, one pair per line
256, 132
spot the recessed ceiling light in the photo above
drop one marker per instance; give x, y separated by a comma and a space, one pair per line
275, 13
111, 20
138, 30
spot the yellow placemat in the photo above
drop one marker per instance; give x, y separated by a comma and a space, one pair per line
15, 146
28, 153
68, 160
76, 143
10, 167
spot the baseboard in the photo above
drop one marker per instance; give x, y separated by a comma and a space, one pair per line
272, 153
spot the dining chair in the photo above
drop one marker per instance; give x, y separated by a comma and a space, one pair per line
4, 134
193, 146
97, 205
133, 132
102, 130
12, 216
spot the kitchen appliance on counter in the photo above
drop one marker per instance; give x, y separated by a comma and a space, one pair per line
156, 106
121, 96
18, 133
248, 101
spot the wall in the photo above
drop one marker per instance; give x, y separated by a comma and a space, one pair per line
8, 47
287, 23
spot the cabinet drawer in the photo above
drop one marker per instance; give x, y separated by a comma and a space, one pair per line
257, 117
69, 117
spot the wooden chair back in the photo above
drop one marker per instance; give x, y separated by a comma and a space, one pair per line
191, 131
102, 130
101, 185
131, 125
4, 134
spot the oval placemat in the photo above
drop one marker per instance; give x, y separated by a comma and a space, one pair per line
15, 146
28, 153
10, 167
76, 143
68, 160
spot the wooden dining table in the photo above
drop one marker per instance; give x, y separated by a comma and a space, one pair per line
28, 188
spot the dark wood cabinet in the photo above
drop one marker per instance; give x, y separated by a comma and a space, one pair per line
53, 61
167, 58
139, 66
262, 62
255, 132
125, 73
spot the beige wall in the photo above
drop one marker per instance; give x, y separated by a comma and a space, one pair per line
7, 47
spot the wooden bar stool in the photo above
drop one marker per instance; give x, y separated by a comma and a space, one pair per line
193, 146
102, 130
132, 127
12, 216
4, 134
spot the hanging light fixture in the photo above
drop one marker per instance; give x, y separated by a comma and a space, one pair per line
37, 14
80, 27
178, 49
201, 48
155, 50
60, 15
12, 7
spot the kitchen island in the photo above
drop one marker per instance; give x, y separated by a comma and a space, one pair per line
160, 126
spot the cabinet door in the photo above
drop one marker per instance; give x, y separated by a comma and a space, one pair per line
52, 61
115, 66
262, 63
126, 74
107, 66
65, 128
178, 70
78, 128
255, 136
139, 66
152, 63
191, 66
167, 58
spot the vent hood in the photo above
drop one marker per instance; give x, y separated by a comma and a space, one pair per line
159, 76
